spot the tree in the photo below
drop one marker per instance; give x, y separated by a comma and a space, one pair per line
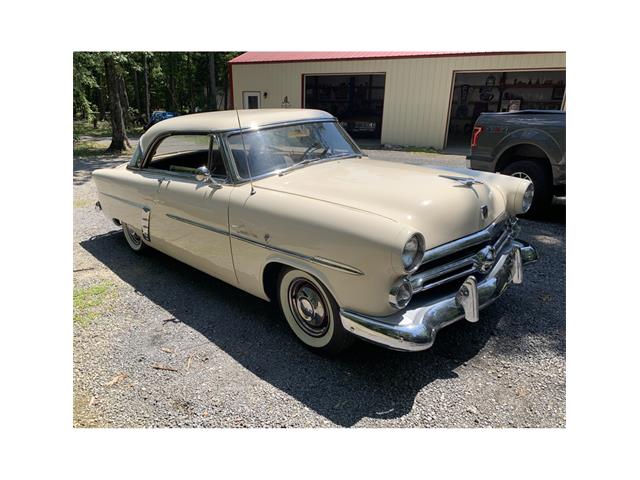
178, 81
84, 82
147, 98
213, 96
222, 72
119, 139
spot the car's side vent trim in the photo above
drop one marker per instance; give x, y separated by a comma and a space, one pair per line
146, 220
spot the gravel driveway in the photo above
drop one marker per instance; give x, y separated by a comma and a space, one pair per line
157, 343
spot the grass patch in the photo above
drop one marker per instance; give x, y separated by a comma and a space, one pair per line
103, 129
85, 127
87, 302
88, 148
81, 203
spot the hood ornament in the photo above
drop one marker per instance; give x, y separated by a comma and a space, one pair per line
463, 181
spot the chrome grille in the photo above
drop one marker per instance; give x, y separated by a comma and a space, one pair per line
474, 254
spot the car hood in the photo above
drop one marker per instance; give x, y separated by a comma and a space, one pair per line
418, 196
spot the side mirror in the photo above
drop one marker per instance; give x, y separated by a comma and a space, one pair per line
204, 175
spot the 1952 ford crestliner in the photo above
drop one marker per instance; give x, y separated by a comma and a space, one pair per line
284, 205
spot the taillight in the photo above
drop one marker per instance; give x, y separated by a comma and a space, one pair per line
476, 135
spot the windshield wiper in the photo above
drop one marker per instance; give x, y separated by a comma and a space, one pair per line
344, 155
307, 161
295, 166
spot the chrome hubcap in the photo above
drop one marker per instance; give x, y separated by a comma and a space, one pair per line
133, 236
308, 307
521, 175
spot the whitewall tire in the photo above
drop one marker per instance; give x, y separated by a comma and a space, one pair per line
133, 238
312, 312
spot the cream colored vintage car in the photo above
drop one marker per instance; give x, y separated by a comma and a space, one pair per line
284, 205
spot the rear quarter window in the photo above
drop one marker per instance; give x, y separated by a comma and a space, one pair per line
136, 160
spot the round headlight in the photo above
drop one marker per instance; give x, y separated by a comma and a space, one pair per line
412, 252
401, 293
527, 198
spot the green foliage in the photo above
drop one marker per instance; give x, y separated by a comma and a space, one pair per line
86, 148
86, 68
85, 127
102, 129
88, 302
178, 81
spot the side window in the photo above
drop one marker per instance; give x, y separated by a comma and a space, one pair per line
181, 153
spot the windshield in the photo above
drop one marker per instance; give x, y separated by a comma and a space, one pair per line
281, 148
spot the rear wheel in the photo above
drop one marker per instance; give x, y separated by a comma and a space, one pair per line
133, 238
542, 183
311, 312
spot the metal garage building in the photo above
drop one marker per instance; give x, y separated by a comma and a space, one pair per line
427, 99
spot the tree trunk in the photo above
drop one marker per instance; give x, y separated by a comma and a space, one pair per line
213, 96
119, 140
136, 91
171, 83
192, 101
102, 104
226, 99
124, 100
147, 99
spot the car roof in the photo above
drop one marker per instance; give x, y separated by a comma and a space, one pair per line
228, 120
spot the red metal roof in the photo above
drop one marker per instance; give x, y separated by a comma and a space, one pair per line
275, 57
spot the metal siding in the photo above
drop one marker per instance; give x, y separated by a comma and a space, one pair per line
417, 90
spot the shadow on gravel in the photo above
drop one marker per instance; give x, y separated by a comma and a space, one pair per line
366, 381
83, 166
537, 309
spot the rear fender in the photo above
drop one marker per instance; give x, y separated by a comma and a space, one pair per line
530, 136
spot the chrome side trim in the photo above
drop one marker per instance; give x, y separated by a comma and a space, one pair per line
319, 260
340, 266
128, 202
198, 224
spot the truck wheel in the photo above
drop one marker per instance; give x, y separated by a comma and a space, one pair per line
312, 313
542, 183
134, 239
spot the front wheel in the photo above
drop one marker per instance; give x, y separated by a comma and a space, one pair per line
312, 313
134, 239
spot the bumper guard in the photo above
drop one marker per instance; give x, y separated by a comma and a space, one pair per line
415, 328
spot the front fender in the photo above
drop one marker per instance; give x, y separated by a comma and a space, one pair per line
350, 251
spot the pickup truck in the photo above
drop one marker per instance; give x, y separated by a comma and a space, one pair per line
528, 144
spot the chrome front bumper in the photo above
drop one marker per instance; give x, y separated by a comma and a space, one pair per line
415, 328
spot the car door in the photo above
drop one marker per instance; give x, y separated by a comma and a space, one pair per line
190, 217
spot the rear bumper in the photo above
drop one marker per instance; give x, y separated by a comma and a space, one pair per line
415, 329
559, 175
